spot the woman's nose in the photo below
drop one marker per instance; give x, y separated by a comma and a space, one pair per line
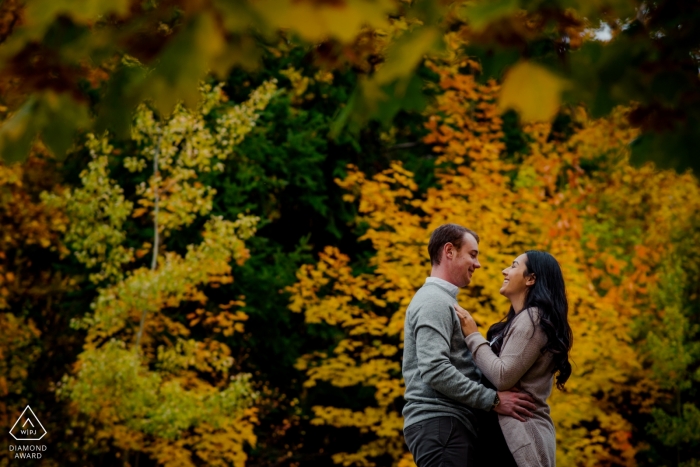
504, 272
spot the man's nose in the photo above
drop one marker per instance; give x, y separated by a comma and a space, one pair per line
477, 264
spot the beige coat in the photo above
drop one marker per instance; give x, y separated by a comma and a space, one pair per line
522, 365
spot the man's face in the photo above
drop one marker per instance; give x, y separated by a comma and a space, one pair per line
464, 261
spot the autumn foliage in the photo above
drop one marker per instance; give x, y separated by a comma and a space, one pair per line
222, 279
610, 227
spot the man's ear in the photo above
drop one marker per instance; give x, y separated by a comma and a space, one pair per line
448, 250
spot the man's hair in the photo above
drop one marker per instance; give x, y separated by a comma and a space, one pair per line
447, 233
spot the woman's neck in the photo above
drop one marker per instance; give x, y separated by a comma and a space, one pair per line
518, 303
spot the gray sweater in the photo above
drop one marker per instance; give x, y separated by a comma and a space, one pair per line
440, 376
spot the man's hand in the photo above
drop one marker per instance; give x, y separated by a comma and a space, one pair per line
515, 404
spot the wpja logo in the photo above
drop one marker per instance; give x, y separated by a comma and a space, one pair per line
28, 428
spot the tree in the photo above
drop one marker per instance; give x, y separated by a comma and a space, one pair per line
672, 349
144, 380
31, 237
284, 171
114, 55
617, 228
267, 173
649, 62
562, 178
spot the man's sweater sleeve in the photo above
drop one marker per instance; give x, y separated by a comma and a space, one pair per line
432, 333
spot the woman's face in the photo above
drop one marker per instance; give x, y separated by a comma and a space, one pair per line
516, 280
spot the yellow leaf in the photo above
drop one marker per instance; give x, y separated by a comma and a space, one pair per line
316, 21
532, 91
139, 212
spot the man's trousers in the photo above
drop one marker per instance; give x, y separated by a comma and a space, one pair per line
441, 442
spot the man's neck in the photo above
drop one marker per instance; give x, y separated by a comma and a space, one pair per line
443, 284
442, 275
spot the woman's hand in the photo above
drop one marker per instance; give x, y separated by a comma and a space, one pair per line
466, 320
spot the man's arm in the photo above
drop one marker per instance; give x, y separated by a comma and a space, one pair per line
436, 369
432, 334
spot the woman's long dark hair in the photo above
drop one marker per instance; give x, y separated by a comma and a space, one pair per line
548, 294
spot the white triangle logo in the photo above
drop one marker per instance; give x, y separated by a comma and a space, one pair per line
28, 427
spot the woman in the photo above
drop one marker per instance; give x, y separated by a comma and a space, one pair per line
525, 349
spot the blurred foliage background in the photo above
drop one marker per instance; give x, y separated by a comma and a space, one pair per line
215, 213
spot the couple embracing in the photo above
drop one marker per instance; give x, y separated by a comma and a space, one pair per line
472, 401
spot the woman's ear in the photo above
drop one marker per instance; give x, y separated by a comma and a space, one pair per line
531, 280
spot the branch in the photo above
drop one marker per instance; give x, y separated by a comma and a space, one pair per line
156, 237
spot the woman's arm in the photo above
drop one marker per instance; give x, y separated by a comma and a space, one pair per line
519, 353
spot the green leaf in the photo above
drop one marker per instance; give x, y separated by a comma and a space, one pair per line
342, 118
18, 133
243, 51
406, 54
479, 14
64, 117
669, 86
238, 16
318, 21
669, 150
369, 101
183, 64
493, 61
55, 117
428, 11
41, 13
119, 99
406, 95
242, 22
393, 87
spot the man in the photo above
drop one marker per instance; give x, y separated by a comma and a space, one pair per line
443, 390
